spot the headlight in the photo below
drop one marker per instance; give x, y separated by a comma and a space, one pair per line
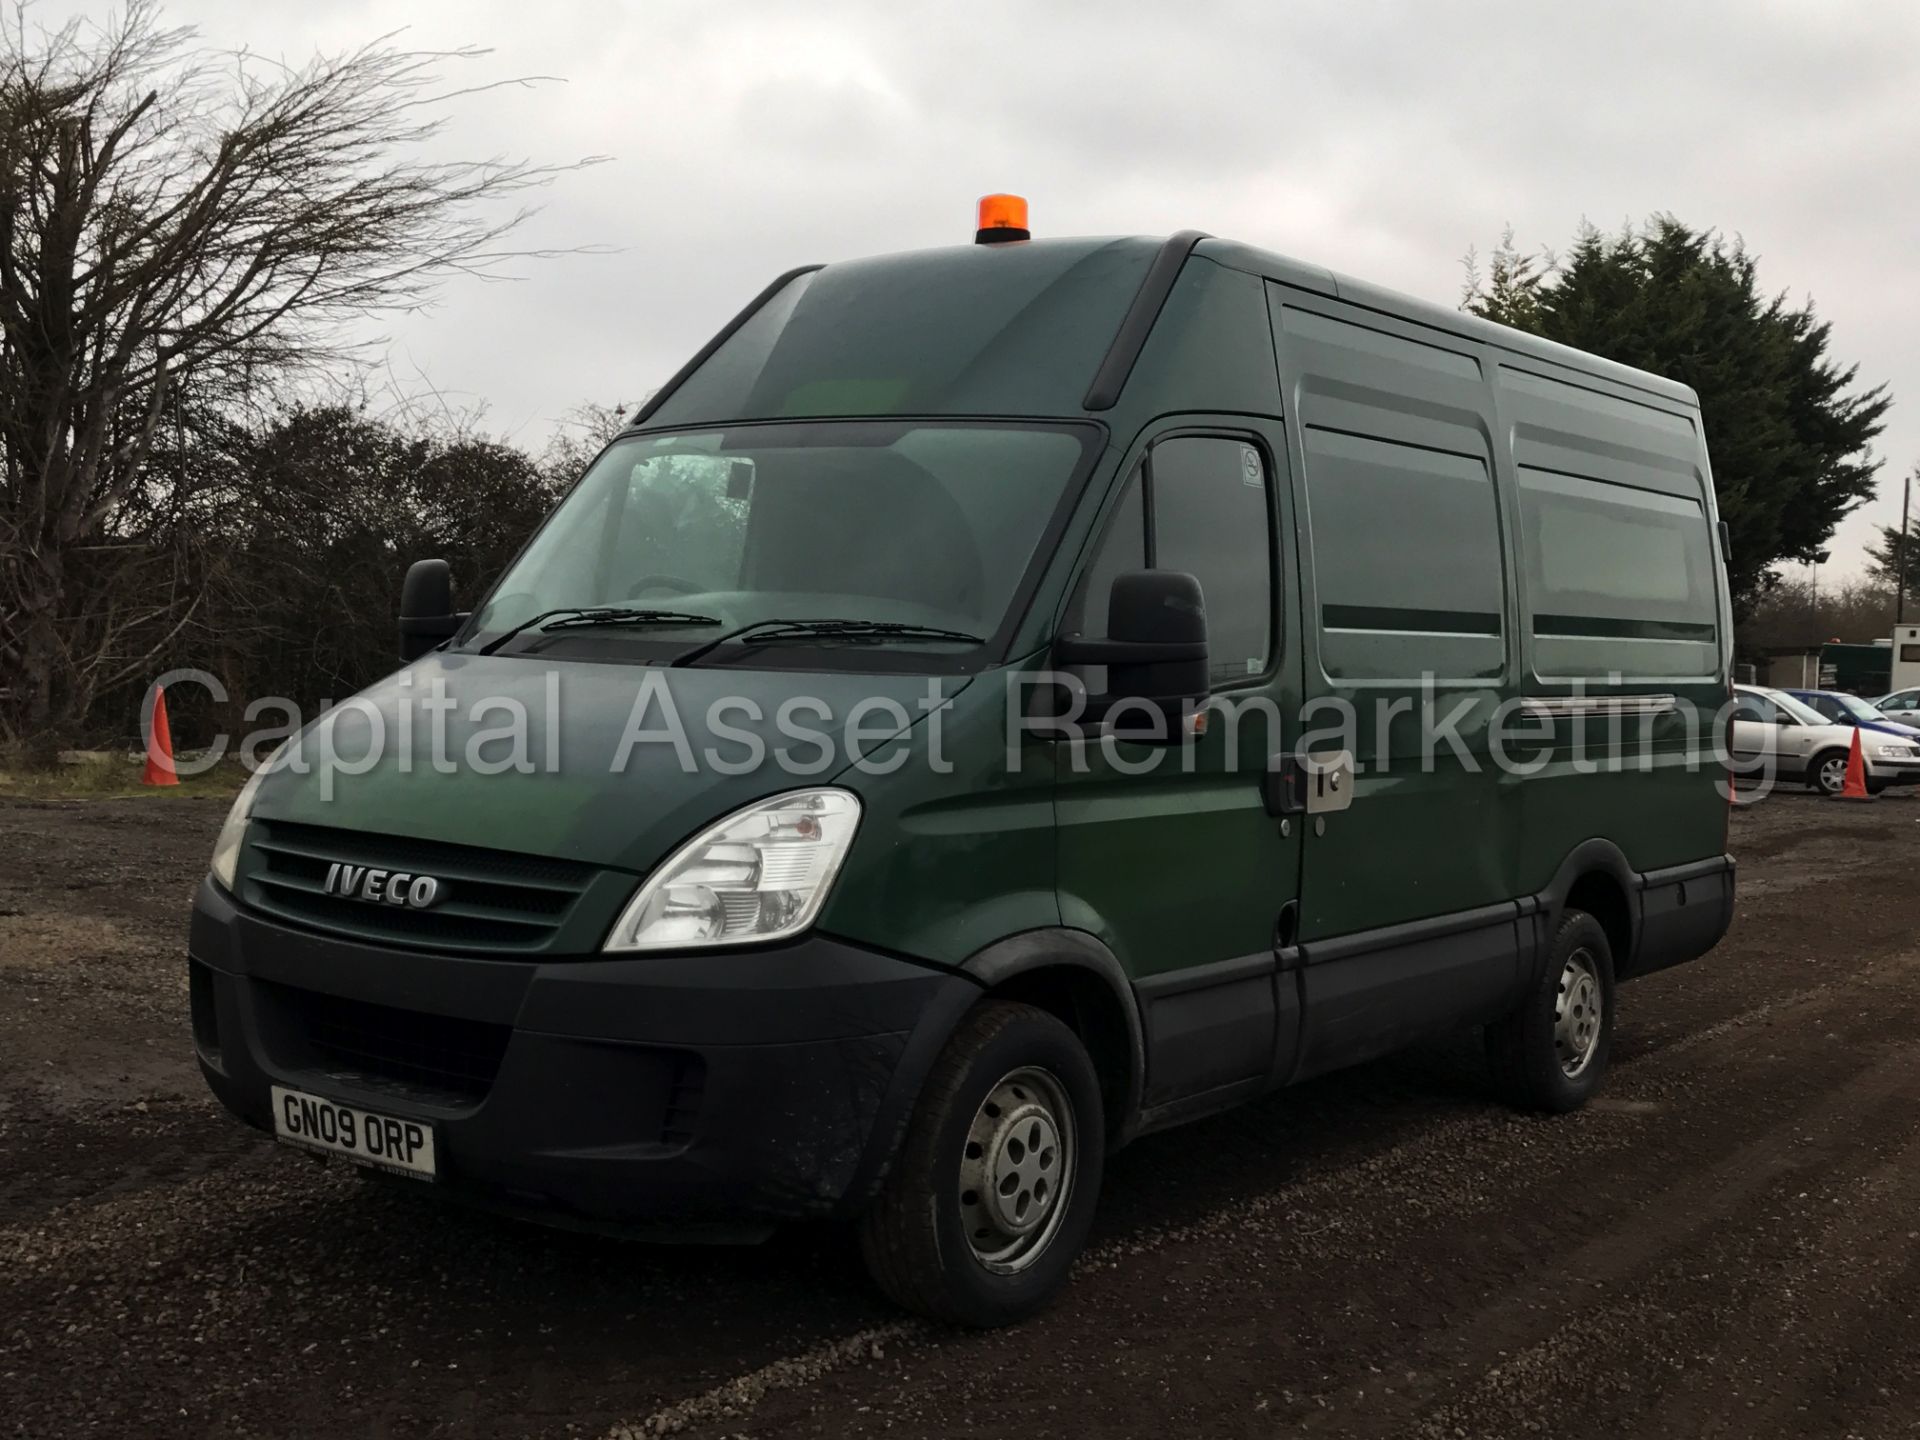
226, 849
760, 874
1893, 752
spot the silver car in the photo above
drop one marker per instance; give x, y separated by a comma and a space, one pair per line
1806, 746
1902, 705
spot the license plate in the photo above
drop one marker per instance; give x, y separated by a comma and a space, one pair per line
404, 1147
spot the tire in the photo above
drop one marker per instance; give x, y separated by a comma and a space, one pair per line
1532, 1051
1822, 776
940, 1242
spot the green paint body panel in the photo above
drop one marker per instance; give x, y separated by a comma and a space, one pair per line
1419, 462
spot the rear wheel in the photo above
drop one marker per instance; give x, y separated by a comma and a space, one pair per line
1829, 772
1551, 1052
993, 1192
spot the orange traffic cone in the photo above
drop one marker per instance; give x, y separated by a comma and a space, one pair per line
159, 769
1856, 784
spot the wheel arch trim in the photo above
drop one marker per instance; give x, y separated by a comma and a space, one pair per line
1005, 959
1057, 947
1596, 856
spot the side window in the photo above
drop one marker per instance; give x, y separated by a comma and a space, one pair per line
1622, 579
1208, 500
1752, 707
1210, 519
1408, 567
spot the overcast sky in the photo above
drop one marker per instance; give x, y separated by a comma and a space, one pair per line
1377, 139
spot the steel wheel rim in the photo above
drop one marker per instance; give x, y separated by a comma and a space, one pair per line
1578, 1010
1017, 1169
1833, 776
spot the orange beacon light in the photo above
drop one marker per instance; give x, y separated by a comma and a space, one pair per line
1002, 218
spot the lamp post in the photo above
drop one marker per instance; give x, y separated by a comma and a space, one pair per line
1813, 617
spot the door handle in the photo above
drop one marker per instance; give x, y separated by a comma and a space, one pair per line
1284, 786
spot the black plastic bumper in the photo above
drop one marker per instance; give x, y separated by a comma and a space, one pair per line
1894, 772
679, 1091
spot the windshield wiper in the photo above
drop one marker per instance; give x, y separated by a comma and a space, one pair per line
869, 632
583, 615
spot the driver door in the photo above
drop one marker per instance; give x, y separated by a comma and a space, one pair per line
1168, 853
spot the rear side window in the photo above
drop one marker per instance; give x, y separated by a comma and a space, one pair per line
1621, 579
1198, 504
1407, 559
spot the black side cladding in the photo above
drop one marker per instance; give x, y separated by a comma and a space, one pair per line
1131, 338
705, 353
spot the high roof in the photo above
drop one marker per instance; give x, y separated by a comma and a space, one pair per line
1023, 329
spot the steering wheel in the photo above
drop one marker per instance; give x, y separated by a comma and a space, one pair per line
674, 583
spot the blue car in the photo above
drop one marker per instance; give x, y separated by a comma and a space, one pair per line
1852, 710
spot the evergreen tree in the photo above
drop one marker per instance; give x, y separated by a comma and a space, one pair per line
1883, 559
1787, 425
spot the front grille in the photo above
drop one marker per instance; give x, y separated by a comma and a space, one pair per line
356, 1041
490, 900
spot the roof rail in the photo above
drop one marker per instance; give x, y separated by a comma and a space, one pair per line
1131, 338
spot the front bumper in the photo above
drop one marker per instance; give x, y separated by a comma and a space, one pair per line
1893, 770
706, 1090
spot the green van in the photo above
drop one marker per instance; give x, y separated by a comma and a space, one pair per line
991, 704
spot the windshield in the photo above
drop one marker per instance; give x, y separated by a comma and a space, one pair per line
1853, 705
1799, 709
923, 524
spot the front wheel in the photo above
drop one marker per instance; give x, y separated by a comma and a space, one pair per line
1551, 1052
993, 1192
1829, 772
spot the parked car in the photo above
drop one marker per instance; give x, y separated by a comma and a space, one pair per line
1806, 746
1902, 705
1844, 709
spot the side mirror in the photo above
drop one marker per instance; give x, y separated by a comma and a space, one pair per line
1782, 718
426, 608
1155, 653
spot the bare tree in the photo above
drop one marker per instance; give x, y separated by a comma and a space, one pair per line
583, 432
1797, 611
176, 220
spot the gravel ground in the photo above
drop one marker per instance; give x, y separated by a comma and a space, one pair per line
1727, 1243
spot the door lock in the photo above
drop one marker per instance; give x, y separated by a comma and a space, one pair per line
1329, 775
1316, 784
